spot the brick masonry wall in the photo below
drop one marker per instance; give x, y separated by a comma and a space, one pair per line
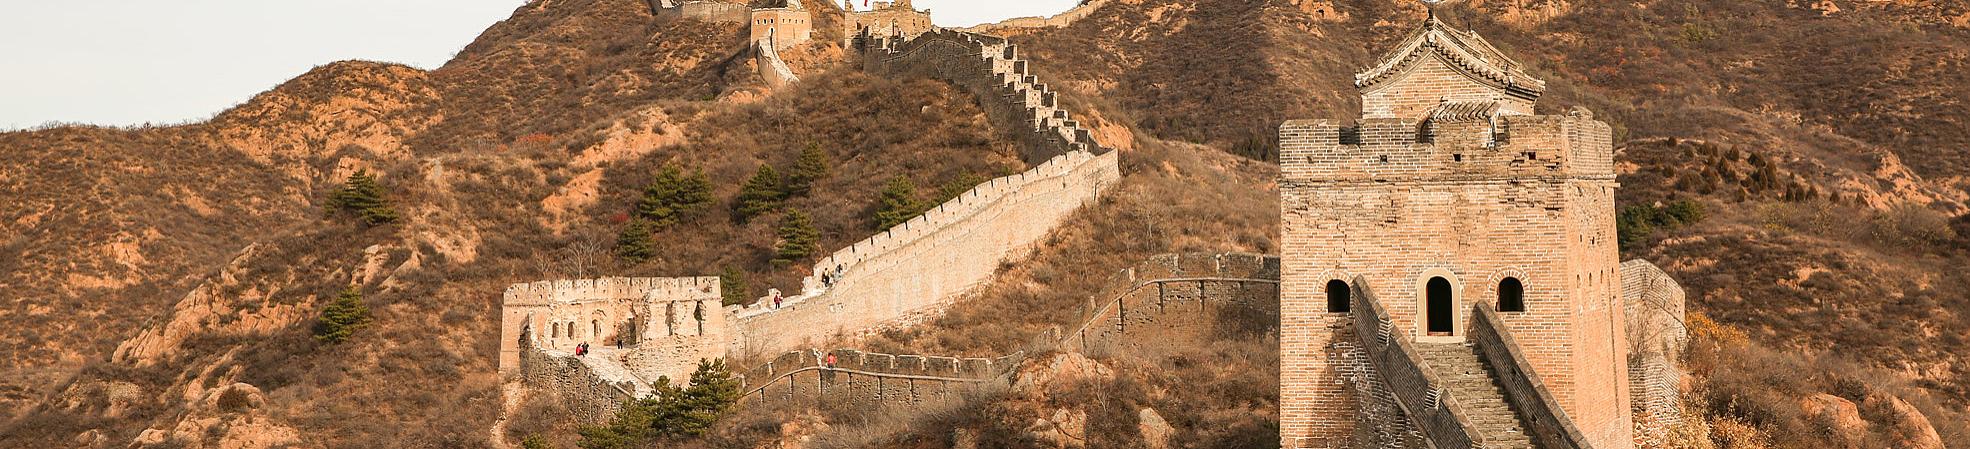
989, 68
707, 11
587, 396
1401, 200
911, 270
1427, 85
666, 322
887, 22
917, 267
1173, 296
1547, 425
772, 69
1654, 306
871, 380
787, 27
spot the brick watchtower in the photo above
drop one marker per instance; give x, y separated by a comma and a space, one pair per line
1448, 192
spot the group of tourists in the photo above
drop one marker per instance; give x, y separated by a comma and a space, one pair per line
581, 349
828, 278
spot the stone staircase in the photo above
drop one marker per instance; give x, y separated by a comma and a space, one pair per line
990, 66
1472, 382
606, 363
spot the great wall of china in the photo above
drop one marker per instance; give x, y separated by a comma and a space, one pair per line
1378, 380
640, 330
1190, 296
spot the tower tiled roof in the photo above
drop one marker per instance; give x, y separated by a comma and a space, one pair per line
1463, 50
1464, 111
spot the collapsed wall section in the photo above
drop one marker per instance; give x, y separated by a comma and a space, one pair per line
589, 396
1657, 335
657, 326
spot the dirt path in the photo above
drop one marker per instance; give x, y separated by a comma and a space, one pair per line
511, 394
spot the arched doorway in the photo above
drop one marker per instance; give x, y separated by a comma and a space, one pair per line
1441, 313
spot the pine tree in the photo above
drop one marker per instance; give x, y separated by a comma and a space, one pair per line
798, 239
673, 194
363, 196
958, 186
899, 203
760, 195
732, 284
636, 244
342, 318
692, 410
671, 413
812, 166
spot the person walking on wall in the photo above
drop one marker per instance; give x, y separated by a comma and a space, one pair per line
776, 299
830, 361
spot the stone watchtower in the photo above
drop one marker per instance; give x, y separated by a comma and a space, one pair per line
1447, 199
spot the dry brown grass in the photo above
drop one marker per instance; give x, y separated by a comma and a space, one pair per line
1173, 198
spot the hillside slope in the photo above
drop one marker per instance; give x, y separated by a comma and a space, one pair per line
1791, 122
170, 276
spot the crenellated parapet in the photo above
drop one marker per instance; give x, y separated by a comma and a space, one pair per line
1553, 147
981, 199
870, 379
910, 270
568, 291
1179, 296
988, 67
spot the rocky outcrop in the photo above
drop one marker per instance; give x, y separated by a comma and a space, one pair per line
229, 417
1840, 416
1904, 422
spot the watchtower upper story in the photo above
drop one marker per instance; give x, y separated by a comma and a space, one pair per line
1438, 64
1446, 192
1446, 104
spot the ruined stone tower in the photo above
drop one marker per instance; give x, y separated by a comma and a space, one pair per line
1451, 226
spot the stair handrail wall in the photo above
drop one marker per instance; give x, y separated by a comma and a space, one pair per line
1547, 423
1423, 396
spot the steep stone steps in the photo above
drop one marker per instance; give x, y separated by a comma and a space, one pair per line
607, 364
1472, 383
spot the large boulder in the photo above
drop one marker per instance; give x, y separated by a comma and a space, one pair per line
1903, 421
1840, 416
1062, 371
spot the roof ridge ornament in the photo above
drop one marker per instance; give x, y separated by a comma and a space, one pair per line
1464, 51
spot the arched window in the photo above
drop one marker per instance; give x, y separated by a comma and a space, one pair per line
1337, 296
1511, 295
1442, 314
597, 325
556, 333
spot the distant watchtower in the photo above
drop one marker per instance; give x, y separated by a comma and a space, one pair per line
1448, 192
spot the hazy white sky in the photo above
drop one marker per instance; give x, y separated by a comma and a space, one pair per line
121, 62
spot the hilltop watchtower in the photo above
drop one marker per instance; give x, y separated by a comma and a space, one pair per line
1457, 215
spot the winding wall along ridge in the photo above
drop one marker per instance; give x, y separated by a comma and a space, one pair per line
1168, 294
